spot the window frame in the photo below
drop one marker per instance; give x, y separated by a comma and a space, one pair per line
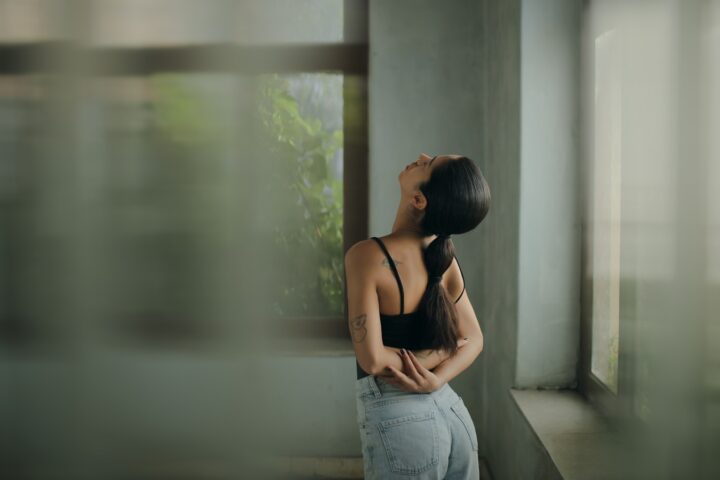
349, 58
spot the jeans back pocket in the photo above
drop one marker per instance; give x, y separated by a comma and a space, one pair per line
411, 442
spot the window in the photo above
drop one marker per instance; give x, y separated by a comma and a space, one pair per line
604, 219
303, 126
606, 213
153, 104
629, 148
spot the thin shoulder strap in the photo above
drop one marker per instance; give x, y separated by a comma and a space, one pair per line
395, 272
463, 279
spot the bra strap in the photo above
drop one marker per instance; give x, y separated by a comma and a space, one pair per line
395, 272
463, 279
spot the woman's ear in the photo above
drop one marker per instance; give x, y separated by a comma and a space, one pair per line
418, 200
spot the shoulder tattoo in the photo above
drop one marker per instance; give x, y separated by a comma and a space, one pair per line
386, 262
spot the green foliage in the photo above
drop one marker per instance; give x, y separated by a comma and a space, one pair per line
182, 114
307, 201
300, 195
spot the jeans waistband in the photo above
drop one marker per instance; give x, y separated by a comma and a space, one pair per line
375, 387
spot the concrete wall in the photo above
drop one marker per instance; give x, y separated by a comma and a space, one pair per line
549, 290
426, 87
503, 445
529, 303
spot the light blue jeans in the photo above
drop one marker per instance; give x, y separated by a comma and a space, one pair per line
416, 435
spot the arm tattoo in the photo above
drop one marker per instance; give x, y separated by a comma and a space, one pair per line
357, 328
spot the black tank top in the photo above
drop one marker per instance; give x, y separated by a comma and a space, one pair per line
402, 330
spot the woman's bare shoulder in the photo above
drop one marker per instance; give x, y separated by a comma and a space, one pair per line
362, 252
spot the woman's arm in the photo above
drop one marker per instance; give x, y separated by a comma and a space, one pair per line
430, 358
453, 366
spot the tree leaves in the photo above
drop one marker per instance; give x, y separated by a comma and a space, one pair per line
309, 239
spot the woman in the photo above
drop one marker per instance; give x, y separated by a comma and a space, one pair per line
413, 327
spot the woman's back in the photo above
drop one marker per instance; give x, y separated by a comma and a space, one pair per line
401, 283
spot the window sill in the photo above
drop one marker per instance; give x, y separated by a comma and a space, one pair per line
578, 440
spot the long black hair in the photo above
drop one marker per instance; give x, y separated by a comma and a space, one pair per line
458, 199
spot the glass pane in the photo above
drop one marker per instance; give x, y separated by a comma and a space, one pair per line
167, 142
34, 254
302, 135
195, 190
606, 211
136, 182
182, 153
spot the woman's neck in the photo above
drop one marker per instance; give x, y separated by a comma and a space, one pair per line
406, 221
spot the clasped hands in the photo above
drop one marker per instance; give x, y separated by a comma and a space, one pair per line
414, 377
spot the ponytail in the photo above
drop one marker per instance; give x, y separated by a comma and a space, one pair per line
458, 198
438, 309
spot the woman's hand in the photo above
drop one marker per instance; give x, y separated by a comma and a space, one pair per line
415, 377
418, 380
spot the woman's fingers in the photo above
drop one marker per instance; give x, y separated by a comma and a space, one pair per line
419, 368
410, 367
403, 380
428, 377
